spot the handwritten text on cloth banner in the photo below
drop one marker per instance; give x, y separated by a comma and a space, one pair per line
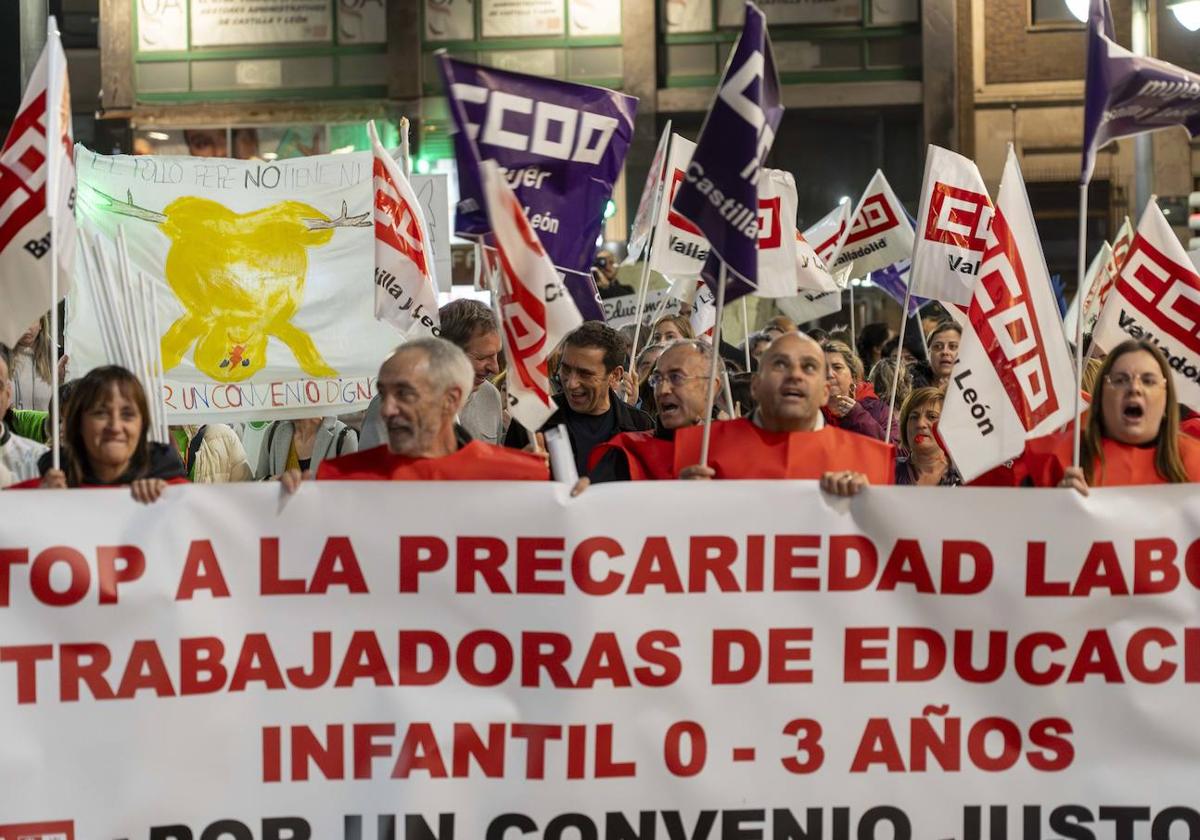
675, 659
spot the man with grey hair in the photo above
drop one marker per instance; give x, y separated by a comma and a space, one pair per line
422, 387
473, 328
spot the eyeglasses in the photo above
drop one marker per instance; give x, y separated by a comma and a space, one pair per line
676, 379
1124, 381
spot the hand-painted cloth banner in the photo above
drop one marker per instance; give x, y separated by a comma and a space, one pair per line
363, 662
719, 193
560, 146
264, 274
1014, 378
1127, 94
1157, 299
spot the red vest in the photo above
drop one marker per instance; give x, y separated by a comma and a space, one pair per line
1046, 460
740, 449
650, 458
477, 461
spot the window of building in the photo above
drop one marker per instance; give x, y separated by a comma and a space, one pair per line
1057, 13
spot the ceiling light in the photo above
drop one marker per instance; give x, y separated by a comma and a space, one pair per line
158, 135
1187, 12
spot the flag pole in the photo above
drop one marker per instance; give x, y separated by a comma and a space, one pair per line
1083, 199
853, 332
55, 445
746, 330
716, 358
899, 356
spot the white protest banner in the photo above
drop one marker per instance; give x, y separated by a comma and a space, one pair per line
619, 311
405, 289
1157, 299
954, 219
433, 193
263, 273
828, 231
222, 665
1014, 378
880, 233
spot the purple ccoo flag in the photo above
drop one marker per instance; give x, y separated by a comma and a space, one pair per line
560, 146
1129, 94
719, 191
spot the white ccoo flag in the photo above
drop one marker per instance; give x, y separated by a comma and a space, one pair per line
1014, 379
37, 182
879, 234
828, 231
405, 291
1157, 298
953, 223
536, 310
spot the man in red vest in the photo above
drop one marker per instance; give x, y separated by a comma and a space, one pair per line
680, 383
787, 437
423, 386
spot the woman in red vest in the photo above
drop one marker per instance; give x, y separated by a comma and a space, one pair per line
106, 440
1132, 432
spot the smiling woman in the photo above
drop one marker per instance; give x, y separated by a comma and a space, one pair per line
106, 440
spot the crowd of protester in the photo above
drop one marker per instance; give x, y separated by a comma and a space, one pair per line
809, 406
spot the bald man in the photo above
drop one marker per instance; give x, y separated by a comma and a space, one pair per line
787, 437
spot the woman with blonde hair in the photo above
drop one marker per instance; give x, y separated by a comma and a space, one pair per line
852, 404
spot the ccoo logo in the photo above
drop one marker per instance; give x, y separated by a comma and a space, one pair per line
958, 217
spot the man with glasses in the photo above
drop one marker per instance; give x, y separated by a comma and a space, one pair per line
591, 367
680, 386
422, 388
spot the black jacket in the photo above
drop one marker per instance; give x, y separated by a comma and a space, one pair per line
628, 419
163, 462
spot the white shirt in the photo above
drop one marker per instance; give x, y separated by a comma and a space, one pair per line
20, 456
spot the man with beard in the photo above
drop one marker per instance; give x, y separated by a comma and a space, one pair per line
423, 386
786, 437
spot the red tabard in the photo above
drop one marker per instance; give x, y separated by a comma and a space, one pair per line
740, 449
477, 461
1046, 460
650, 458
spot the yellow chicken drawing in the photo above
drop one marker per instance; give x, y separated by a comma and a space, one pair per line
240, 279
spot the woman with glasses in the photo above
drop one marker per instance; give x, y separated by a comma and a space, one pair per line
1131, 434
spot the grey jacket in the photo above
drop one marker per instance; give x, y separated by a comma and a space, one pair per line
334, 438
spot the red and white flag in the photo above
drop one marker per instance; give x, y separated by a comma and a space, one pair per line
1014, 379
1100, 271
37, 182
405, 291
679, 247
818, 293
644, 218
1157, 298
953, 223
1099, 291
828, 232
536, 310
879, 234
